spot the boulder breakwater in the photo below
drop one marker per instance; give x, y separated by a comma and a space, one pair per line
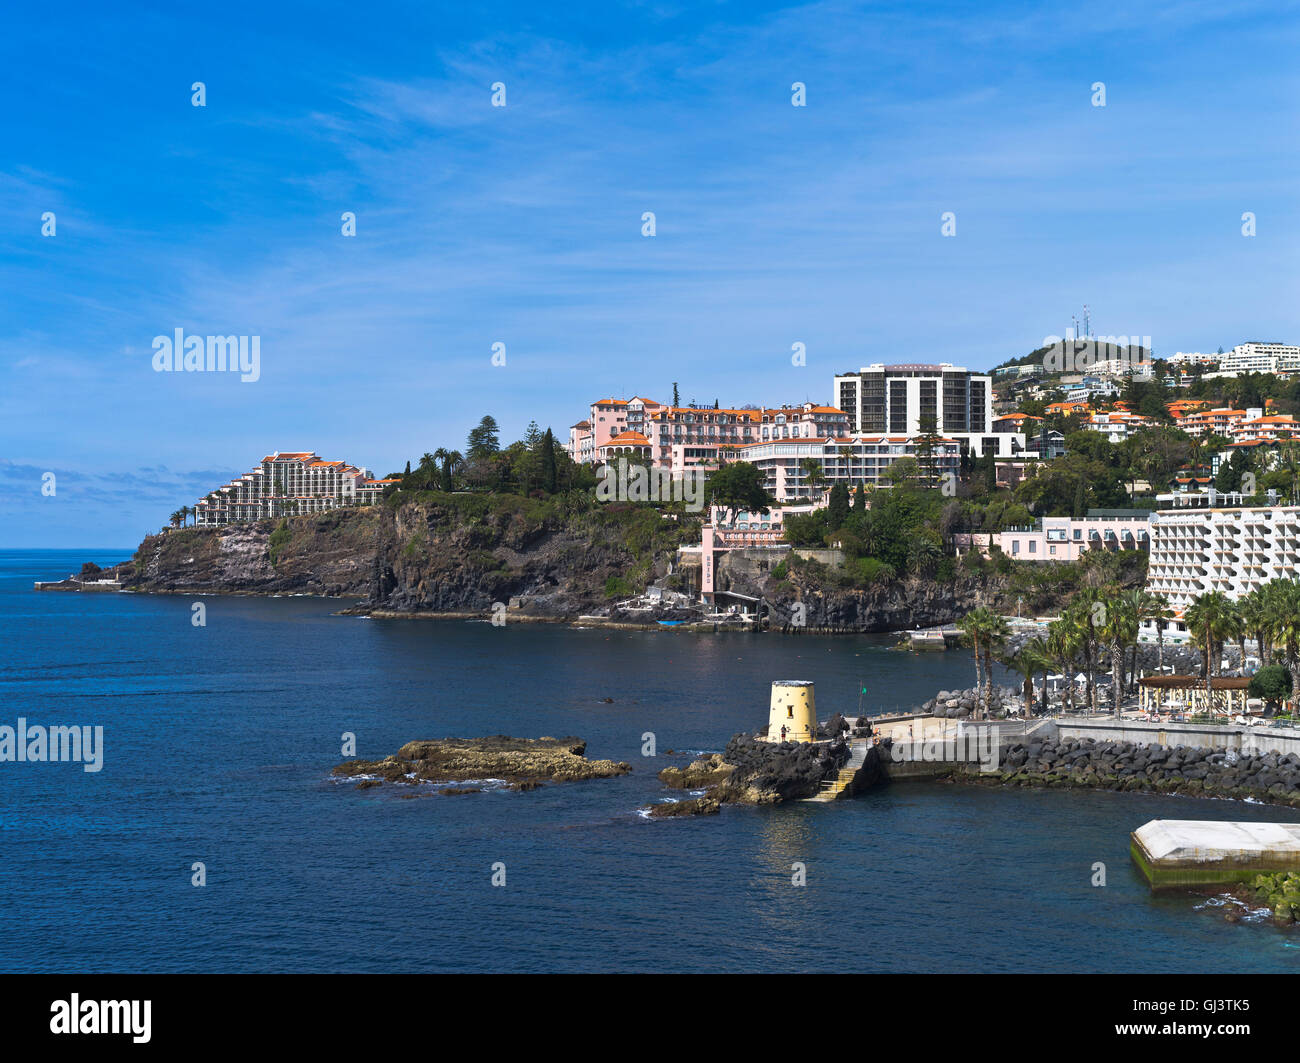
1086, 763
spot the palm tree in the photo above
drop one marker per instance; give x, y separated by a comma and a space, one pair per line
452, 461
1063, 645
1087, 613
1213, 618
1119, 629
1251, 610
439, 459
1029, 660
1284, 623
972, 626
996, 633
812, 470
176, 518
1146, 606
923, 553
1157, 610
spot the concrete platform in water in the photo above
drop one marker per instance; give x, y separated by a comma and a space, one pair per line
1188, 852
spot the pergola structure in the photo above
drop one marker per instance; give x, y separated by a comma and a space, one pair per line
1187, 693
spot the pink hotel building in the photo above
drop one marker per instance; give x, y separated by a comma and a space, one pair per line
682, 437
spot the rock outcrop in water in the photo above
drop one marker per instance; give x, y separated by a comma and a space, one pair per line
695, 806
754, 773
522, 761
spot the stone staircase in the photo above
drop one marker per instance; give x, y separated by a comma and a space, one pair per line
833, 788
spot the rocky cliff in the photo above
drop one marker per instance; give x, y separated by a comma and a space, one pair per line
554, 558
442, 554
892, 606
810, 596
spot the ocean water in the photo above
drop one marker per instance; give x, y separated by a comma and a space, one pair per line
219, 742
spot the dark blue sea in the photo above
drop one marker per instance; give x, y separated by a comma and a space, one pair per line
219, 742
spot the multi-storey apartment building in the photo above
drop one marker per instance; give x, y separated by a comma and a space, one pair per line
894, 400
850, 460
1213, 541
1187, 359
1274, 427
1260, 357
1219, 422
287, 483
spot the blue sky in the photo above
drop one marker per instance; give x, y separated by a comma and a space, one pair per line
522, 224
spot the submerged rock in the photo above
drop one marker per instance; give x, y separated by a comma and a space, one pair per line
695, 806
517, 760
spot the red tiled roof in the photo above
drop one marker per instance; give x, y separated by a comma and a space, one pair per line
627, 439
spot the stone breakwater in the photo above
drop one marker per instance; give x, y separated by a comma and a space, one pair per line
525, 762
1089, 764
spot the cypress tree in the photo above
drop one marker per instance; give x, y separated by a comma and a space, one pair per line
837, 511
548, 463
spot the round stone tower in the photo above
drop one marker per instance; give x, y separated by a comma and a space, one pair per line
794, 708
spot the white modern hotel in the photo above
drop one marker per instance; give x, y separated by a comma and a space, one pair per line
1214, 543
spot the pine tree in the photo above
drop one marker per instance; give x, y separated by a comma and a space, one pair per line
677, 399
483, 440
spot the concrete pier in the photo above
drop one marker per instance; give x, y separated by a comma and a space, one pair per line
1187, 852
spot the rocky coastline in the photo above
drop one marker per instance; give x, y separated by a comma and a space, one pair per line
465, 556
